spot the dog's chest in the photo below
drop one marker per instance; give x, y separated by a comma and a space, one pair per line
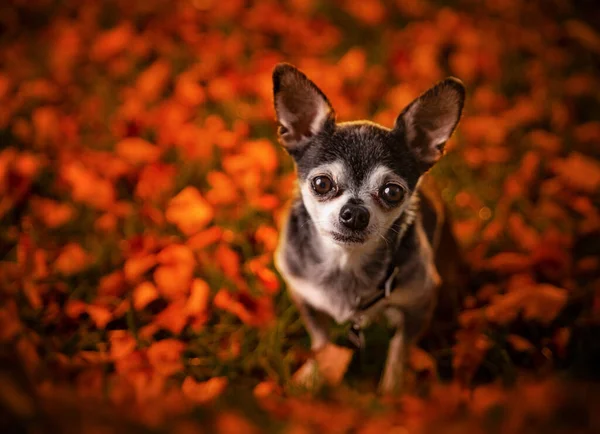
335, 287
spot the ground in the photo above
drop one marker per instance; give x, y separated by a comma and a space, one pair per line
142, 190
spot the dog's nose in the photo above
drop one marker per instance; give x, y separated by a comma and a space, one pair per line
354, 216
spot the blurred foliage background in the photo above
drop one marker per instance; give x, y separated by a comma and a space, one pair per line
142, 190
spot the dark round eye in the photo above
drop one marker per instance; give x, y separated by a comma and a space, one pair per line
322, 184
392, 193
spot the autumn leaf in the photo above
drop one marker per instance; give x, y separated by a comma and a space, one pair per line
197, 303
203, 392
88, 187
223, 190
165, 356
189, 211
265, 389
112, 284
155, 180
111, 42
173, 276
72, 260
122, 343
100, 315
53, 214
205, 238
228, 260
143, 294
152, 81
519, 343
579, 172
255, 311
136, 150
173, 318
542, 302
137, 266
333, 361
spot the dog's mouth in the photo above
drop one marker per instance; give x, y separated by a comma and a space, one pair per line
347, 239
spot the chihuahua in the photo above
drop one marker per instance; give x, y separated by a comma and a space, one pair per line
360, 236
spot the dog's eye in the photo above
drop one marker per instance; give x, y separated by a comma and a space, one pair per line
392, 193
322, 184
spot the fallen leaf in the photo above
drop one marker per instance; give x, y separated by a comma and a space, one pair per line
165, 356
189, 211
136, 150
578, 172
203, 392
143, 294
72, 260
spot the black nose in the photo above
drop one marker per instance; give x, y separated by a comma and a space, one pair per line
354, 216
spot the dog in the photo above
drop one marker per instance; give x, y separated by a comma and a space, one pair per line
360, 237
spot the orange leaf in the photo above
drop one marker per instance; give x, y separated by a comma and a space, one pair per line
74, 308
223, 191
100, 315
151, 82
53, 214
203, 392
519, 343
269, 279
174, 275
187, 91
579, 172
10, 324
136, 150
333, 361
111, 42
228, 260
256, 311
541, 302
143, 294
262, 153
189, 211
112, 284
352, 65
198, 300
508, 262
73, 259
173, 318
88, 187
165, 356
421, 360
205, 238
122, 343
265, 389
155, 180
268, 237
137, 266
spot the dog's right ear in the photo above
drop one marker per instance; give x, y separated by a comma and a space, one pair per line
302, 108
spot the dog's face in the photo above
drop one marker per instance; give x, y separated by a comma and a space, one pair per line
356, 178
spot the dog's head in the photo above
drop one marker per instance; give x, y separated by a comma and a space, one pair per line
356, 178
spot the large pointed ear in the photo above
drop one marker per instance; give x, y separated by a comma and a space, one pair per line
429, 121
302, 109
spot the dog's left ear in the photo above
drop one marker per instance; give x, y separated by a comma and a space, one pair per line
429, 121
302, 108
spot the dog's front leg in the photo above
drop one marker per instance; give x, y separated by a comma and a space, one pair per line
393, 374
308, 375
314, 324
